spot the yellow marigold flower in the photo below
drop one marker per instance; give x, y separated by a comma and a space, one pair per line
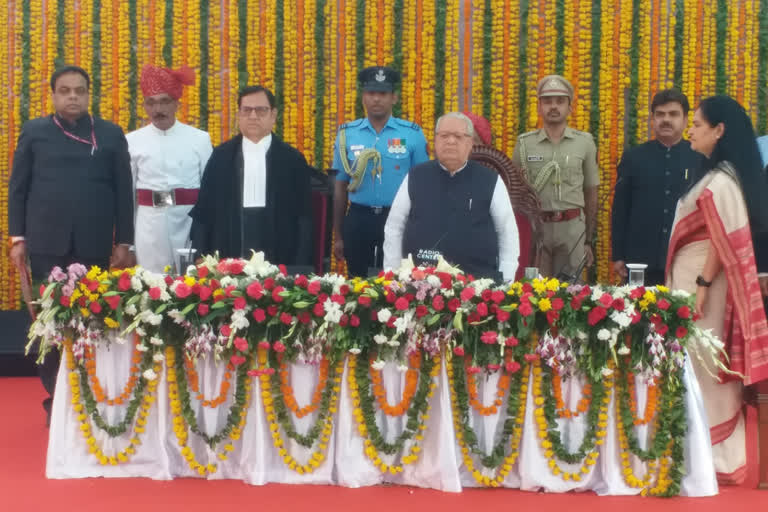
218, 293
85, 312
93, 273
360, 286
189, 281
539, 286
112, 324
553, 284
662, 288
650, 296
167, 269
545, 305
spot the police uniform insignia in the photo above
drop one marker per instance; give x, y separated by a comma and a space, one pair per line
535, 158
380, 77
356, 149
396, 146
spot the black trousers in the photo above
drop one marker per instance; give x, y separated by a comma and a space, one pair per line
41, 265
364, 238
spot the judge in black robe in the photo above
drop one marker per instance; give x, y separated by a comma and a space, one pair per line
282, 229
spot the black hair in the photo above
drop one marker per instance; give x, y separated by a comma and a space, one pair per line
738, 146
69, 69
253, 89
670, 96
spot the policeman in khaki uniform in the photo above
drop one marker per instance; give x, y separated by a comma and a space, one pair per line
561, 165
372, 155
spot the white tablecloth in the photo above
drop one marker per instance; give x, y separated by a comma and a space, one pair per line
256, 461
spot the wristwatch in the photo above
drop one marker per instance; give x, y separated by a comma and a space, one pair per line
700, 281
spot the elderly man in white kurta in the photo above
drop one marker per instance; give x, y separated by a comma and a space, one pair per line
167, 161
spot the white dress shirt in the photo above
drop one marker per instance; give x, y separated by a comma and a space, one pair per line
503, 220
164, 160
255, 172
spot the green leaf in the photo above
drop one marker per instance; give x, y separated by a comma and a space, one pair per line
188, 309
457, 323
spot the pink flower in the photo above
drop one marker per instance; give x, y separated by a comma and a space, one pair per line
502, 316
263, 345
168, 281
254, 290
202, 271
497, 296
482, 309
421, 311
354, 321
64, 301
338, 299
124, 284
272, 310
401, 304
597, 314
684, 312
183, 290
254, 373
662, 329
318, 310
237, 360
453, 305
531, 357
489, 337
618, 304
557, 304
525, 308
576, 303
344, 320
606, 300
681, 332
467, 293
512, 366
205, 292
492, 367
202, 309
637, 293
269, 283
259, 315
511, 341
552, 316
226, 331
304, 317
286, 318
438, 303
278, 347
283, 269
364, 300
236, 267
473, 370
239, 303
241, 344
344, 289
301, 281
486, 295
155, 292
663, 304
95, 307
314, 287
459, 351
276, 294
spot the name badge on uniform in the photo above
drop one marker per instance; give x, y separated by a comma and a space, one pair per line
356, 149
396, 146
535, 158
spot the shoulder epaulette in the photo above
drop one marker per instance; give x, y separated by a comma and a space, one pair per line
351, 124
408, 124
527, 134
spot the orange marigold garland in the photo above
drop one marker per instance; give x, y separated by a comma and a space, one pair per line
411, 382
581, 407
290, 398
194, 385
98, 391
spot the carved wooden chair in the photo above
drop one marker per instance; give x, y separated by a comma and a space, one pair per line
525, 203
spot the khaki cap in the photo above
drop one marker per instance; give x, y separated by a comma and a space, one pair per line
554, 85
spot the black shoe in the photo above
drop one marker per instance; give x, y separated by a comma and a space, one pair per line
47, 404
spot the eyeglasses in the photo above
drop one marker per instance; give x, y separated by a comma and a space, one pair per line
259, 111
444, 136
163, 102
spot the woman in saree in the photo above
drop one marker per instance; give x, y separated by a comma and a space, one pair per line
711, 254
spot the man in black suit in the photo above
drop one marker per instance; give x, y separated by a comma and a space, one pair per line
70, 192
256, 191
651, 178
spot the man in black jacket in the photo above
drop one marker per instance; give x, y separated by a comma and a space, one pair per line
651, 178
256, 192
70, 193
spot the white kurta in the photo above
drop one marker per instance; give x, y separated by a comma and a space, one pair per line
163, 161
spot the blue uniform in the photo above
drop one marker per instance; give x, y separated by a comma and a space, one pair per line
401, 145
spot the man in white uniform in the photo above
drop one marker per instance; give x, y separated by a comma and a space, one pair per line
167, 161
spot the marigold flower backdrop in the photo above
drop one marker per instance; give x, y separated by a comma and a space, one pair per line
485, 56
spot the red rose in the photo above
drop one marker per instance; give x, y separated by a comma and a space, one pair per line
489, 337
557, 304
124, 284
655, 319
497, 296
269, 283
64, 301
226, 331
155, 292
636, 317
473, 370
263, 345
618, 304
183, 290
237, 360
229, 289
662, 329
354, 320
459, 351
202, 309
205, 292
502, 316
681, 332
236, 266
364, 300
467, 293
278, 346
511, 341
401, 304
512, 366
527, 288
338, 299
82, 301
318, 310
390, 296
202, 271
453, 305
421, 311
663, 304
113, 301
276, 294
492, 367
486, 295
684, 312
254, 290
482, 309
344, 289
168, 281
282, 269
239, 303
637, 293
304, 317
286, 318
606, 300
241, 344
525, 308
301, 281
259, 315
552, 316
597, 314
343, 321
438, 303
95, 307
272, 310
473, 318
314, 287
576, 303
391, 321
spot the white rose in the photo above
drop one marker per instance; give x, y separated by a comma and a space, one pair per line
384, 315
603, 334
380, 339
623, 350
130, 310
378, 364
158, 357
402, 367
354, 350
150, 374
142, 347
607, 372
155, 341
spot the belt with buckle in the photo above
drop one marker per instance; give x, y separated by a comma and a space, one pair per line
560, 215
159, 198
376, 210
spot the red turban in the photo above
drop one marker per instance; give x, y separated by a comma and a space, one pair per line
156, 80
482, 127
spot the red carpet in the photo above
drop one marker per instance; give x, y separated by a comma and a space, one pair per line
23, 486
